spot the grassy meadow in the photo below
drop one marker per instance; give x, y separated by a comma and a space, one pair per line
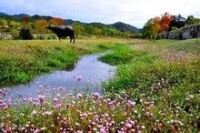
21, 61
156, 87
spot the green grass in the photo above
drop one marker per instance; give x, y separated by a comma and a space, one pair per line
121, 55
171, 82
191, 45
162, 77
21, 61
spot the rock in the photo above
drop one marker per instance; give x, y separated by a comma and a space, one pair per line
174, 35
183, 33
163, 35
5, 36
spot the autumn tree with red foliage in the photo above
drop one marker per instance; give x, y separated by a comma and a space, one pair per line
25, 21
165, 21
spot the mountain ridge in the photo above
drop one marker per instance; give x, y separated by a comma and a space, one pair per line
120, 26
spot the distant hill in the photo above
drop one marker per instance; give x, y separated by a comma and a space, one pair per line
19, 16
2, 14
6, 16
125, 27
120, 26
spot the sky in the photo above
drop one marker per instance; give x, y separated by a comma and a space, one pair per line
134, 12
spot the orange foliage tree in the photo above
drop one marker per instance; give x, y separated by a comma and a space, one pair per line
151, 28
157, 25
40, 25
57, 21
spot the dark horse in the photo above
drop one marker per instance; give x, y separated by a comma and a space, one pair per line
63, 31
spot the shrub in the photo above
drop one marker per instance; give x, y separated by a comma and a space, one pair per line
42, 37
25, 34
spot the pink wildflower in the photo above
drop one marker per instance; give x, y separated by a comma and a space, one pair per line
79, 78
103, 130
96, 95
131, 104
58, 105
41, 98
34, 112
128, 125
79, 96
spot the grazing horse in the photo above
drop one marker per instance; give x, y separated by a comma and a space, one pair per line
63, 31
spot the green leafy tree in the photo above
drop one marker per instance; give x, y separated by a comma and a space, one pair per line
97, 32
3, 23
14, 24
79, 29
192, 20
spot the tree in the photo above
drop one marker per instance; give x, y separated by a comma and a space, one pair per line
165, 21
25, 34
97, 31
178, 22
151, 28
25, 21
79, 29
192, 20
57, 21
89, 30
14, 24
40, 25
3, 23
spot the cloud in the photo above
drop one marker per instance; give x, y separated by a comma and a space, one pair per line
135, 12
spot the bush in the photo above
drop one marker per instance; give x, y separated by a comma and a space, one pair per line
51, 36
42, 37
25, 34
121, 55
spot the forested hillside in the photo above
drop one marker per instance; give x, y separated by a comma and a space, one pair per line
37, 24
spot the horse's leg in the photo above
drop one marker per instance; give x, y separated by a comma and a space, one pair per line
73, 40
60, 39
70, 39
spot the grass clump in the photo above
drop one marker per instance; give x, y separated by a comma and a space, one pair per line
120, 55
